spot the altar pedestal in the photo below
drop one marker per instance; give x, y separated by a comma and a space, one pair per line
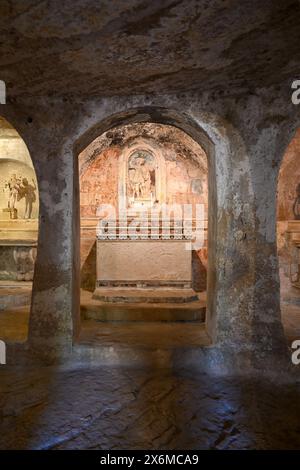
136, 268
144, 280
18, 247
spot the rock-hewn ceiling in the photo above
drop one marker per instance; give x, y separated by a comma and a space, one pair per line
114, 47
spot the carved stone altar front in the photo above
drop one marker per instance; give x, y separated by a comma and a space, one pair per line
18, 249
144, 270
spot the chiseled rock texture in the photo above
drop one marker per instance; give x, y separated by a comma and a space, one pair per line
139, 46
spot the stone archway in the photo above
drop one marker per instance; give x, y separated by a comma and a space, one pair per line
159, 273
288, 237
190, 127
19, 213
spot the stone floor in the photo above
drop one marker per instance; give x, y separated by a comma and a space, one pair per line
14, 324
78, 407
153, 334
13, 295
145, 409
14, 327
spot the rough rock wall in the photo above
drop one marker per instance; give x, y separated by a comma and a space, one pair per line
85, 47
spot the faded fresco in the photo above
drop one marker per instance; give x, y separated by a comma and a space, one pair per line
141, 178
18, 186
288, 183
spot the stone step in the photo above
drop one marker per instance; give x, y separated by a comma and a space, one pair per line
147, 295
142, 312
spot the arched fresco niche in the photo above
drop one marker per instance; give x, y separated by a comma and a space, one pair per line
135, 168
19, 210
142, 175
288, 237
141, 178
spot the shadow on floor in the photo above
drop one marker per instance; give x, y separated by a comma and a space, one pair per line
145, 409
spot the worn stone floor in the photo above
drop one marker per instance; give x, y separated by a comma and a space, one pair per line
119, 408
13, 296
14, 324
85, 407
122, 408
14, 327
153, 334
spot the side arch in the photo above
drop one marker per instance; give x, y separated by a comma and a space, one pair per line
19, 226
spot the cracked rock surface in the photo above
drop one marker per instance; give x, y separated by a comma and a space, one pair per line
96, 408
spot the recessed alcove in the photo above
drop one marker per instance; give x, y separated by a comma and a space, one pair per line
288, 238
19, 210
144, 219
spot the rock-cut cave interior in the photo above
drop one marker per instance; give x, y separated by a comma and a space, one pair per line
149, 225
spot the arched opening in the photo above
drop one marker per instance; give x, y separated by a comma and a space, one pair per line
108, 158
19, 211
288, 238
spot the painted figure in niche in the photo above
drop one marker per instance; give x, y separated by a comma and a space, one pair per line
296, 205
141, 176
140, 179
27, 191
14, 186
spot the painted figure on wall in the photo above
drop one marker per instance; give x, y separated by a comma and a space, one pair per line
19, 188
14, 186
141, 176
27, 191
140, 179
296, 205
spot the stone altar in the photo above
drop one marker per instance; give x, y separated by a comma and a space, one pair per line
144, 270
18, 248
